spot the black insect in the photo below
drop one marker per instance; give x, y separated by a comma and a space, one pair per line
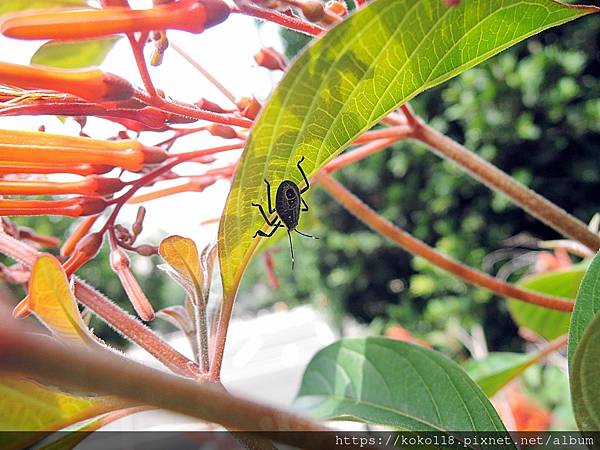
288, 205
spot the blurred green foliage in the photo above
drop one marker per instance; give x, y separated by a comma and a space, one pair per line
534, 111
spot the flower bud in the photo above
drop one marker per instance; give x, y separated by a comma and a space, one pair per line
147, 250
271, 59
336, 7
84, 251
250, 107
224, 131
119, 262
210, 106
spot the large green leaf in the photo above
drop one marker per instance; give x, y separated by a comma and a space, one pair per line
74, 55
358, 72
545, 322
587, 305
397, 384
584, 379
11, 6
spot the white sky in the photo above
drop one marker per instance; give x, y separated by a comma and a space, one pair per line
227, 52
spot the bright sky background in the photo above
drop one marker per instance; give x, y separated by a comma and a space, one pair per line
227, 52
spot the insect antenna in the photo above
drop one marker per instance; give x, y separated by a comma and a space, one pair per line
291, 248
306, 235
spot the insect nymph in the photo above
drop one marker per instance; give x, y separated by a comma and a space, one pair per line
288, 205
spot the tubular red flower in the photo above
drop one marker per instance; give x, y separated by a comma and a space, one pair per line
73, 207
132, 158
93, 85
92, 185
193, 16
11, 167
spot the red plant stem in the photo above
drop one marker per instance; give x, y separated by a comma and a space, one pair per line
110, 374
402, 131
490, 175
293, 23
419, 248
360, 153
132, 329
548, 349
128, 326
196, 113
137, 46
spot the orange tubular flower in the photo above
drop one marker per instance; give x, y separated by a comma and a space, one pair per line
193, 16
44, 149
11, 167
59, 140
80, 232
73, 207
93, 85
132, 159
92, 185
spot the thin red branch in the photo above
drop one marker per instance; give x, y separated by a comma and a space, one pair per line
138, 52
293, 23
536, 205
196, 113
419, 248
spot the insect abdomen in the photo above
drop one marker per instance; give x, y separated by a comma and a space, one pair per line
287, 203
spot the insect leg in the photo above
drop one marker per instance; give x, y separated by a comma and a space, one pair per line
305, 208
305, 188
264, 214
291, 248
261, 233
271, 209
306, 235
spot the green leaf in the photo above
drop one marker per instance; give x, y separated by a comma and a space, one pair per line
585, 367
11, 6
29, 406
545, 322
498, 369
74, 55
353, 76
587, 306
388, 382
